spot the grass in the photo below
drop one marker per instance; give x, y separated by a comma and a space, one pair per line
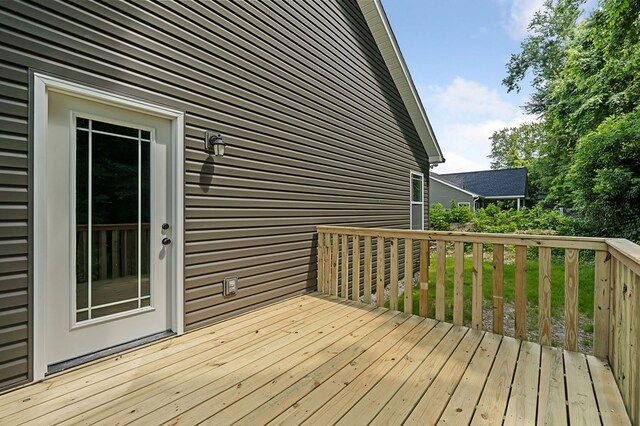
585, 292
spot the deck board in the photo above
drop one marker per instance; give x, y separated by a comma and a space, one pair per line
315, 359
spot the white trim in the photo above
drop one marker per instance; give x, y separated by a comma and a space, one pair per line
42, 85
378, 24
450, 185
465, 204
411, 202
506, 197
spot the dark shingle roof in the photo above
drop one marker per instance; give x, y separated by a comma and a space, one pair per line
490, 183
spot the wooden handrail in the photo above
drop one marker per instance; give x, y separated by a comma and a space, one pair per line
553, 241
616, 285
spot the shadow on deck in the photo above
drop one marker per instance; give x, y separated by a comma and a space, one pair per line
320, 360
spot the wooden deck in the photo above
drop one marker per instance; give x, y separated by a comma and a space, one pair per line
316, 360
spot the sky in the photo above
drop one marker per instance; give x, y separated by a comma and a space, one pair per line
457, 51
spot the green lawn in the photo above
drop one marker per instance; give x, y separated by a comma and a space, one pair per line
585, 292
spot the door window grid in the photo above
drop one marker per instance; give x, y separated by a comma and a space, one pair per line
141, 300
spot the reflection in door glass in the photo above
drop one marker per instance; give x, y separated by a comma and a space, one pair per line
113, 184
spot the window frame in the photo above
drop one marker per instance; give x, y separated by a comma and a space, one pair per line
413, 173
464, 203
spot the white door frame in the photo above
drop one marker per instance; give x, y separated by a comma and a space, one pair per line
42, 85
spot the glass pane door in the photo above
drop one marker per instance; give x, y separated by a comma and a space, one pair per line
113, 184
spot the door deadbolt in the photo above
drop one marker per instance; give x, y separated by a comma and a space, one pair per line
165, 226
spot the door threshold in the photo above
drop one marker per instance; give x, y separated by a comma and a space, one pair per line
74, 362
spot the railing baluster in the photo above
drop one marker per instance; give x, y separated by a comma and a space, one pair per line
458, 283
103, 255
634, 400
367, 269
408, 275
115, 252
521, 293
625, 333
441, 266
613, 308
320, 256
476, 299
320, 269
327, 263
344, 291
571, 299
544, 296
424, 278
393, 285
355, 284
334, 266
380, 272
498, 287
601, 304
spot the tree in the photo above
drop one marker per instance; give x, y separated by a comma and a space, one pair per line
543, 52
516, 146
605, 177
586, 81
520, 147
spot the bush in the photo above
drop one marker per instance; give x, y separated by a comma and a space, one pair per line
439, 217
459, 214
492, 219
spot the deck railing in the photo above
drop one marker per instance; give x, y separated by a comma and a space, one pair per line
346, 262
114, 250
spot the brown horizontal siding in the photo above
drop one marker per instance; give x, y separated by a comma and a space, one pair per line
316, 134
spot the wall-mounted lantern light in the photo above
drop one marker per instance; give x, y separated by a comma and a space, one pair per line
213, 143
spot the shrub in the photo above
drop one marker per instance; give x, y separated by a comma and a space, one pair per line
492, 219
439, 217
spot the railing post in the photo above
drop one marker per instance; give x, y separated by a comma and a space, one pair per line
601, 304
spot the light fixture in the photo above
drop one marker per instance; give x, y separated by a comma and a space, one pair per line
213, 143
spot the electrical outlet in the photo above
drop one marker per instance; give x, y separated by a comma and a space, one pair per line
230, 286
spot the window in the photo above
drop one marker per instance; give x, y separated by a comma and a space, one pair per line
417, 201
464, 203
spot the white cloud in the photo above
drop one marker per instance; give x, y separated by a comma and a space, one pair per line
520, 14
456, 163
464, 115
465, 96
467, 146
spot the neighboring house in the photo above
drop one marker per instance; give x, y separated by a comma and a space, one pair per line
477, 189
118, 223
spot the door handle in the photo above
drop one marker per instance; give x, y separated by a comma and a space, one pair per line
166, 241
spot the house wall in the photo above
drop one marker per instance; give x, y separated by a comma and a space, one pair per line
316, 133
444, 194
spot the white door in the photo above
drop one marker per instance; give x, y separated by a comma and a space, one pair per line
108, 226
